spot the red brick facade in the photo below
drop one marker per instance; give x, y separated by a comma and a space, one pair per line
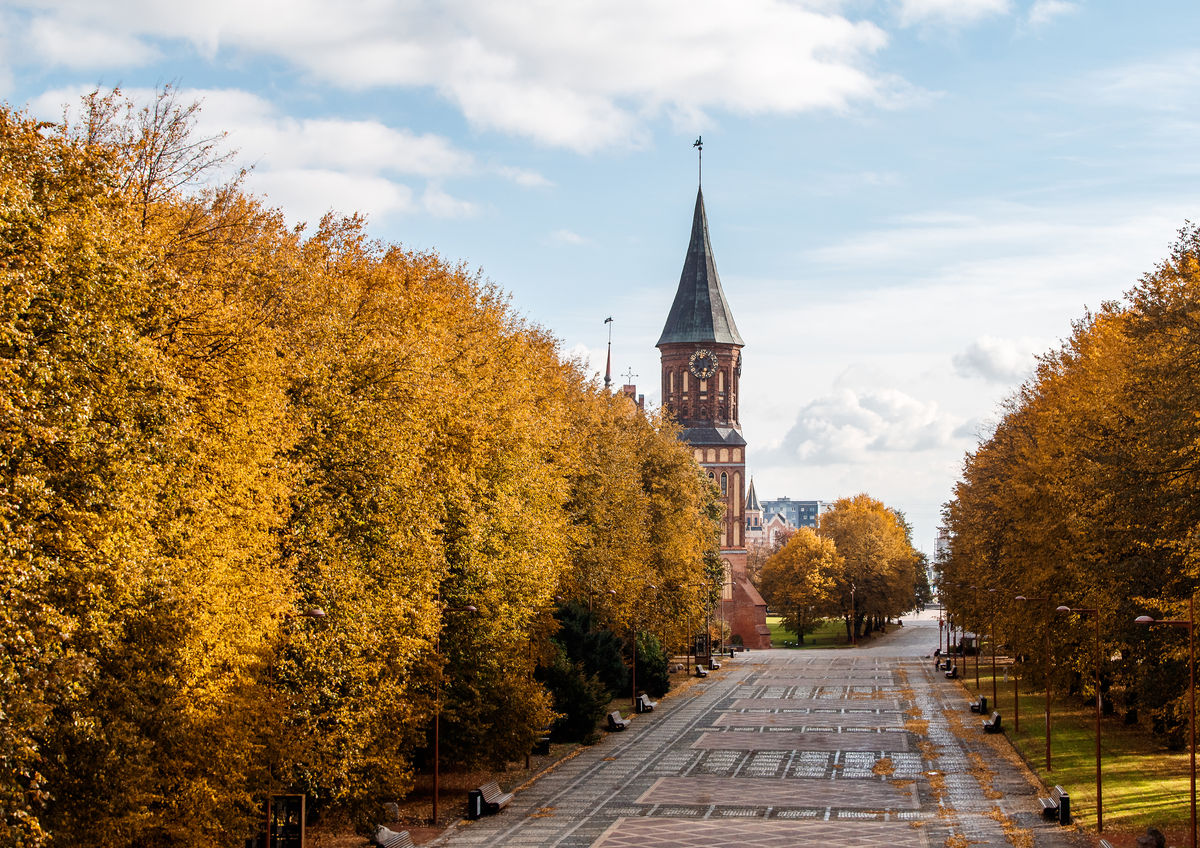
701, 370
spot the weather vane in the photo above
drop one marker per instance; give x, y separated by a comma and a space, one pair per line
699, 145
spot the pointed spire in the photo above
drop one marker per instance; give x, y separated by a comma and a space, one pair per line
700, 313
608, 360
752, 499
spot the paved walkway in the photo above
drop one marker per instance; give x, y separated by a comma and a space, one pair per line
782, 748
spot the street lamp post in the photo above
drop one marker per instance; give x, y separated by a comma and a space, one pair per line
633, 631
437, 708
315, 614
1190, 624
853, 617
978, 639
1095, 613
992, 634
1046, 672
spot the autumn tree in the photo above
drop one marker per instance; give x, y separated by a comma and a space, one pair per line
269, 491
799, 580
878, 578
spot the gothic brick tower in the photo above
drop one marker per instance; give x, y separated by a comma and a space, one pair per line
701, 370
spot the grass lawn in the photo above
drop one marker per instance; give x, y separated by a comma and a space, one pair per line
829, 634
1144, 784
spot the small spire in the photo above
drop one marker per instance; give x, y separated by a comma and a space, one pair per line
699, 145
608, 361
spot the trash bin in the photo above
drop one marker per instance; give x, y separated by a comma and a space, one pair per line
474, 804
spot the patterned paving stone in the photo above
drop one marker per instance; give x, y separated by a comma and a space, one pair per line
785, 748
729, 791
652, 833
764, 718
798, 741
863, 704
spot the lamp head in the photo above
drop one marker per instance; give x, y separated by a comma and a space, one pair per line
1143, 619
1020, 598
1062, 609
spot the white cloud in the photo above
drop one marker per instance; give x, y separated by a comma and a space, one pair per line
524, 178
1018, 249
581, 75
1043, 12
313, 165
59, 41
1169, 84
950, 12
569, 237
849, 426
442, 205
306, 195
1007, 361
591, 361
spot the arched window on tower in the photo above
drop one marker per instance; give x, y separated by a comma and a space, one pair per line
724, 484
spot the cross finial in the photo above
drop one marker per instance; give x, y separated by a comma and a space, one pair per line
699, 145
629, 375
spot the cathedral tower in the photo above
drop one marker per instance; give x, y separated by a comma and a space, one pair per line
701, 353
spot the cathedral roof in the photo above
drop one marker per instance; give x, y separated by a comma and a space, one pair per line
714, 436
700, 313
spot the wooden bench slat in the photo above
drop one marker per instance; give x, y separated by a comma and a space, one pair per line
386, 838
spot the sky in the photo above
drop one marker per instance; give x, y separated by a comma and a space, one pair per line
908, 200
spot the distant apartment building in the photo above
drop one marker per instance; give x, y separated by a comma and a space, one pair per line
767, 520
795, 513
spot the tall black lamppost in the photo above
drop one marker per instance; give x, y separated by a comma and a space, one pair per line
853, 617
978, 635
1046, 672
437, 707
1190, 624
1095, 613
633, 634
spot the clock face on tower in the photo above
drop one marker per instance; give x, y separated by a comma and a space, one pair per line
703, 363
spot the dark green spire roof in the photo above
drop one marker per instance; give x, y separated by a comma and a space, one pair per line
752, 499
700, 313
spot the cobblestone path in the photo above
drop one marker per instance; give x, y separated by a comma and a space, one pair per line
780, 748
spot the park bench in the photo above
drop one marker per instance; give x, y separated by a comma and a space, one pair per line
615, 722
713, 664
992, 725
952, 672
493, 799
1057, 806
386, 838
644, 704
701, 671
980, 705
542, 746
